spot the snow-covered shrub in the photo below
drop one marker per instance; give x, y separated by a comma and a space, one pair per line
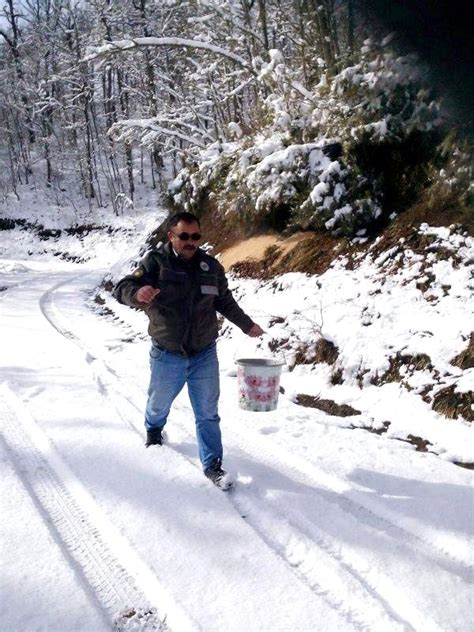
380, 98
382, 116
328, 159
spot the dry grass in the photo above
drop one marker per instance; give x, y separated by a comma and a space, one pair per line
465, 360
327, 405
454, 405
323, 351
412, 363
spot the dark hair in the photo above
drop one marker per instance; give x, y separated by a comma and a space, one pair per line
183, 216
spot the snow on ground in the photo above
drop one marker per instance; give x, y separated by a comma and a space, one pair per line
373, 314
328, 528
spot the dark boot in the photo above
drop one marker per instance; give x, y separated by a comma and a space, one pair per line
218, 476
153, 437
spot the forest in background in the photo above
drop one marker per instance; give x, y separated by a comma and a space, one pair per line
286, 114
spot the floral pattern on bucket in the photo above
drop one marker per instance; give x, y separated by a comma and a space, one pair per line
256, 392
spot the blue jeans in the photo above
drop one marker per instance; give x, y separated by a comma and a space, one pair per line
169, 373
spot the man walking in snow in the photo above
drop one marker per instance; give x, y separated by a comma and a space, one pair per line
180, 288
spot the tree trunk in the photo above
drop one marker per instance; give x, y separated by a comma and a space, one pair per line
262, 17
131, 183
350, 26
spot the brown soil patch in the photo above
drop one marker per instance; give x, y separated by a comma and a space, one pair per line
327, 405
314, 253
265, 256
421, 445
251, 248
405, 228
380, 430
255, 249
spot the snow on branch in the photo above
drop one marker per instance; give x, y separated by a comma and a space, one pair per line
117, 46
139, 129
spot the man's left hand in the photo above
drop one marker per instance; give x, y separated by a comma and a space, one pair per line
256, 331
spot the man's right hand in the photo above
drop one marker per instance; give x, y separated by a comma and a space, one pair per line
146, 294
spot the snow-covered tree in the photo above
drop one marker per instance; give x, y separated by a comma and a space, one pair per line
273, 108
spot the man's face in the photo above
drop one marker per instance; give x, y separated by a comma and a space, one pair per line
185, 248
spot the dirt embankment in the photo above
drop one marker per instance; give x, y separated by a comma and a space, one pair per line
255, 248
265, 256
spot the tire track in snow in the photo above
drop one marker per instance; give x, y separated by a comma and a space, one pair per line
359, 506
317, 567
319, 562
321, 569
294, 539
105, 377
121, 585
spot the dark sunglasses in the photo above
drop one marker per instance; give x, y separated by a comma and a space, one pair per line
186, 236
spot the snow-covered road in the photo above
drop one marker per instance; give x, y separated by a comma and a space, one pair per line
327, 529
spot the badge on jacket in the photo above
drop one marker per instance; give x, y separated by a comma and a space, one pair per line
204, 266
209, 289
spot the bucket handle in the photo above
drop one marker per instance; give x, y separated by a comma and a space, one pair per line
266, 337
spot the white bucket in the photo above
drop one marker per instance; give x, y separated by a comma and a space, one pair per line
259, 383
